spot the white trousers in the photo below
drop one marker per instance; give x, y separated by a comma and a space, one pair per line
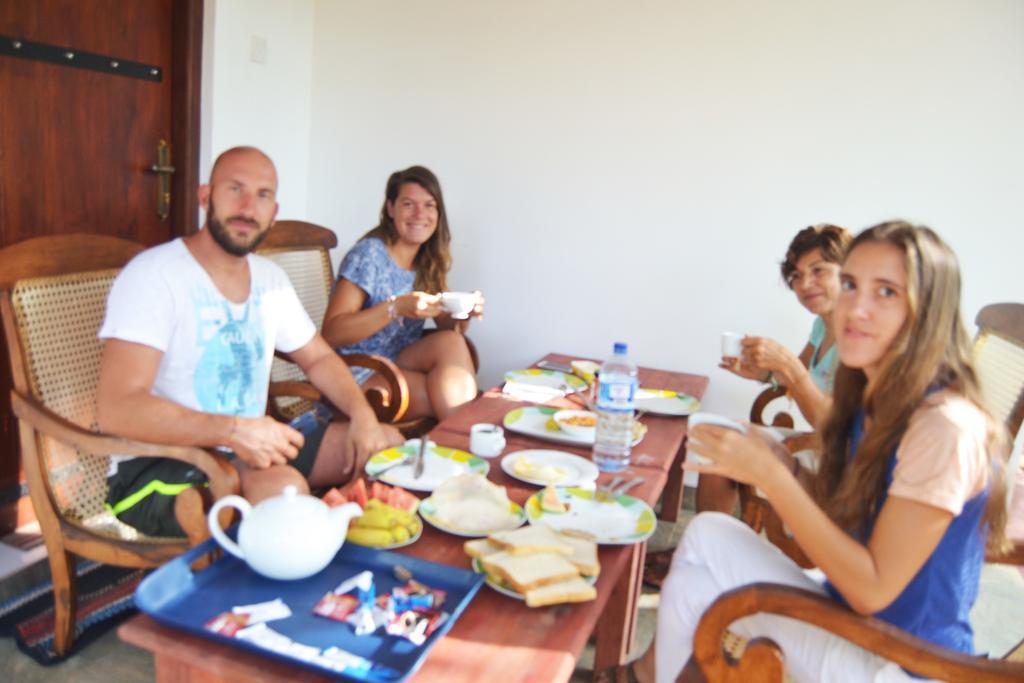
719, 553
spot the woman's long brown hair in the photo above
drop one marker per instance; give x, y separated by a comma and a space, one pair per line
434, 259
932, 348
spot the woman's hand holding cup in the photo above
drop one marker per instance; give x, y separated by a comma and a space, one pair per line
419, 305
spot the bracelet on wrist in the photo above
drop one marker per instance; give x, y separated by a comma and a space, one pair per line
770, 379
392, 307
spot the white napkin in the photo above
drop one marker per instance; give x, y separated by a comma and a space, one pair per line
532, 392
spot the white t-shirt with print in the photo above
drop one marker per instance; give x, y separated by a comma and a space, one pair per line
216, 353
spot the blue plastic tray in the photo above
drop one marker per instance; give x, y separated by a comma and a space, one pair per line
176, 596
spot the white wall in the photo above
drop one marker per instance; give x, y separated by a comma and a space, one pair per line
635, 170
265, 104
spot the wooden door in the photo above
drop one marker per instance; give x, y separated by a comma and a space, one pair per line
88, 90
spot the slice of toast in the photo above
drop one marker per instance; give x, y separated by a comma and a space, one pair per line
526, 572
570, 590
481, 547
584, 555
536, 538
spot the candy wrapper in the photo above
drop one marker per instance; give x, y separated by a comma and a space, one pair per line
416, 625
409, 611
230, 623
415, 595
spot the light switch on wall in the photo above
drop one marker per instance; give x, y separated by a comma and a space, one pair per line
258, 50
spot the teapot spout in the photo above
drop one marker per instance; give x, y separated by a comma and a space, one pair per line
343, 514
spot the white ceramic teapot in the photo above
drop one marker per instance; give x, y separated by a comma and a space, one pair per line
289, 536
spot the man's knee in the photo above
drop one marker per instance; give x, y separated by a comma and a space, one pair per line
265, 483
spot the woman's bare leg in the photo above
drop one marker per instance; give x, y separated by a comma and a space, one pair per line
441, 374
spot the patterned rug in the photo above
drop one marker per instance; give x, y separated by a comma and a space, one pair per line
105, 599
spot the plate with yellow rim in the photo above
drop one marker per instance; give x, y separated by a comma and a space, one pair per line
539, 421
665, 402
623, 520
549, 379
428, 511
439, 463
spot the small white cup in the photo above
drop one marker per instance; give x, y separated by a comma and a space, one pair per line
732, 345
459, 304
486, 440
710, 419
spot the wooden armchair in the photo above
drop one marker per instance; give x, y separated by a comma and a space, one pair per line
53, 293
303, 251
999, 360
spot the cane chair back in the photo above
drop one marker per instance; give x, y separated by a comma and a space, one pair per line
56, 319
999, 361
302, 251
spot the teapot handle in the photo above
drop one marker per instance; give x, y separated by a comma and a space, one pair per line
237, 502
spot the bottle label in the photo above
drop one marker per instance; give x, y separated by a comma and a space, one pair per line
616, 396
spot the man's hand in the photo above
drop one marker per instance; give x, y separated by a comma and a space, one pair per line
366, 437
260, 442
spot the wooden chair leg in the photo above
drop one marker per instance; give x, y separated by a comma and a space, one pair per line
65, 599
191, 515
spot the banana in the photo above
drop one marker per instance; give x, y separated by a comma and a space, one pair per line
400, 534
369, 537
377, 519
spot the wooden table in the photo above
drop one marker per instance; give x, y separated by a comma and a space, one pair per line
495, 634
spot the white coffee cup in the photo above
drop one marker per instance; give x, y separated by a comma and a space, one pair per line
732, 345
486, 440
708, 419
459, 304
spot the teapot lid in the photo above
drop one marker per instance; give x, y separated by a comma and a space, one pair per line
289, 508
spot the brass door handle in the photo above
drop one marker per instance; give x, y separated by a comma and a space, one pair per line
163, 169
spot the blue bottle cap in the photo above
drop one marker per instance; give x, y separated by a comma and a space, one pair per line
621, 347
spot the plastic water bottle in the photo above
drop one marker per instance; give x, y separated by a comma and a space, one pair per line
615, 395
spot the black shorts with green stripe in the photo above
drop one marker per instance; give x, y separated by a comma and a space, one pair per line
142, 491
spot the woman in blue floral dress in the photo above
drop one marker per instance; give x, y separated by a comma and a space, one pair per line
389, 285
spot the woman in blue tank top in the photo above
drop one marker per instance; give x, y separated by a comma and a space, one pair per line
909, 490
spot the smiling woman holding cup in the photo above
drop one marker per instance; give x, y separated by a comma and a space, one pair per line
391, 282
811, 270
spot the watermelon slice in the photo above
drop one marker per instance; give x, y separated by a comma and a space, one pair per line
355, 492
403, 500
334, 498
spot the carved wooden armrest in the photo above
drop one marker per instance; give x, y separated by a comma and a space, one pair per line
781, 419
391, 402
223, 478
763, 659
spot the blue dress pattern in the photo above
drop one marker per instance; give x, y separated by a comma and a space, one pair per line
369, 266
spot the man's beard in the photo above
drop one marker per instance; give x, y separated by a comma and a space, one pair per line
221, 236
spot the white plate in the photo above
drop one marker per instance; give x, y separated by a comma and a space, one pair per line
412, 539
622, 521
538, 421
578, 471
511, 592
429, 513
665, 402
550, 379
439, 463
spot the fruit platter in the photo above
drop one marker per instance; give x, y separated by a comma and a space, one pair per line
389, 517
